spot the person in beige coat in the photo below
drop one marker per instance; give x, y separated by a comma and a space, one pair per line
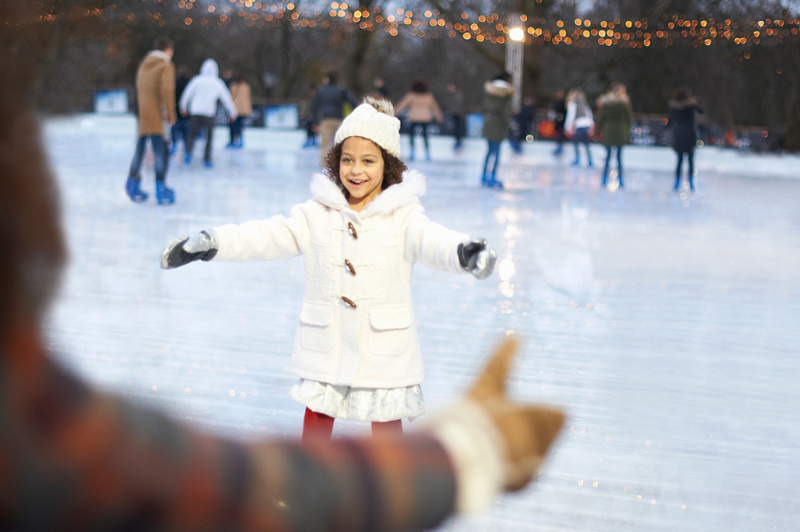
422, 110
155, 93
243, 100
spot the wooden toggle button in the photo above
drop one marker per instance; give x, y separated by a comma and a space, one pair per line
349, 301
352, 229
350, 266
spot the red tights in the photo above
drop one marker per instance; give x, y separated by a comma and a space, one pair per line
316, 425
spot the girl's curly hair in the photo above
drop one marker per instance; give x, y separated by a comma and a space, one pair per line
393, 168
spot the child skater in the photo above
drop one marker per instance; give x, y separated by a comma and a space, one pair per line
356, 349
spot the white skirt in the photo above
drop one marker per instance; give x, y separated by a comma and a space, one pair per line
360, 404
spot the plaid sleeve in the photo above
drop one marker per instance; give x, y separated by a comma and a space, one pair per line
74, 459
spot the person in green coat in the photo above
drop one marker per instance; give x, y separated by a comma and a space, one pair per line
496, 114
614, 125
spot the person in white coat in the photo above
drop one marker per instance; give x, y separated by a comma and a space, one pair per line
199, 103
579, 124
356, 350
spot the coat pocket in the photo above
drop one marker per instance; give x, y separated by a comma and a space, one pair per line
389, 330
315, 326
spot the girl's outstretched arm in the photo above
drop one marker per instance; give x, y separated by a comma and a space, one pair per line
274, 238
438, 247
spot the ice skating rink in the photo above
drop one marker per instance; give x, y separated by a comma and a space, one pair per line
666, 324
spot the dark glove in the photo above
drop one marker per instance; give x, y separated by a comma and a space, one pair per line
186, 249
477, 257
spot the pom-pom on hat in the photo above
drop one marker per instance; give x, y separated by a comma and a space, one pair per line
374, 120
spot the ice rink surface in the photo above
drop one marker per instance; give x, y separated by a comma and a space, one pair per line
666, 324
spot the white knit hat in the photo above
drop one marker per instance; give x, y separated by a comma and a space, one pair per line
374, 120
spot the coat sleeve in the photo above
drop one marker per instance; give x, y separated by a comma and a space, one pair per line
97, 462
569, 121
405, 102
432, 244
437, 112
278, 237
248, 95
628, 115
315, 109
601, 122
168, 92
227, 101
188, 94
350, 98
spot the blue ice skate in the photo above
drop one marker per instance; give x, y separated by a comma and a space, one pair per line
164, 195
134, 190
492, 182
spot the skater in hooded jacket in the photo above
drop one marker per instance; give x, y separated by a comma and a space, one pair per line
199, 103
356, 349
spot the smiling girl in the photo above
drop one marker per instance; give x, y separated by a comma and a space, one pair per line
356, 350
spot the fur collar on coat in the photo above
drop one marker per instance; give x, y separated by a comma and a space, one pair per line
396, 196
159, 54
683, 104
614, 97
498, 87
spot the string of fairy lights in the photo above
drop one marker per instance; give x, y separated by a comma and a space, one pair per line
492, 28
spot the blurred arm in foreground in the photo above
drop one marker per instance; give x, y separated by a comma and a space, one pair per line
72, 458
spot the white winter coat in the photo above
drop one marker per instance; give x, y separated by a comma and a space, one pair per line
202, 92
373, 345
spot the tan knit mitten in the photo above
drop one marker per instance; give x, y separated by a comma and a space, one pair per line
526, 430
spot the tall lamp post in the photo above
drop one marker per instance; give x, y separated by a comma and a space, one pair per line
514, 50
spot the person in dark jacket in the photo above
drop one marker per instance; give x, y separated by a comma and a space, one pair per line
306, 117
379, 89
454, 100
327, 111
524, 123
496, 116
614, 125
559, 119
682, 109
